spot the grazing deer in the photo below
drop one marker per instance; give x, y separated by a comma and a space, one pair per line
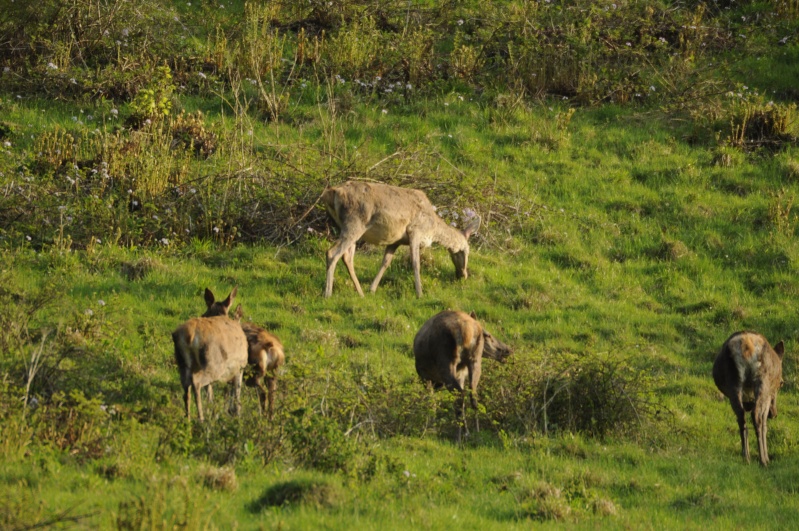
749, 372
449, 348
210, 349
265, 357
381, 214
264, 353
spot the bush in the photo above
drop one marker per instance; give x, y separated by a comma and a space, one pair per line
597, 395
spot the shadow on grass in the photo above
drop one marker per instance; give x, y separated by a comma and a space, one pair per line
318, 494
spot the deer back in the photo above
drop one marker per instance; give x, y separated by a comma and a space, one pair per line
384, 211
747, 361
446, 345
212, 349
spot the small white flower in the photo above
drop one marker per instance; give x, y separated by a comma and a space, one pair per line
193, 190
135, 203
73, 81
629, 44
406, 473
89, 312
147, 121
216, 230
7, 69
460, 22
101, 302
125, 32
164, 241
155, 217
652, 88
114, 112
52, 66
201, 75
7, 143
28, 238
408, 86
385, 111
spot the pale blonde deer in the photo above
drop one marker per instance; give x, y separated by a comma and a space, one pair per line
449, 350
749, 373
208, 350
381, 214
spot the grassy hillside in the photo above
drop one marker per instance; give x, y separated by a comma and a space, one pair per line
636, 172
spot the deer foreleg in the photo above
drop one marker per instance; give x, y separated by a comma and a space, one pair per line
387, 258
339, 250
474, 378
349, 261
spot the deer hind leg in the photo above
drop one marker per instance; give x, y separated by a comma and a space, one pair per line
187, 400
760, 419
271, 383
738, 408
198, 399
387, 258
235, 392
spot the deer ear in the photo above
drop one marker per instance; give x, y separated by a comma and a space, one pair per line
472, 227
779, 348
473, 315
239, 313
209, 298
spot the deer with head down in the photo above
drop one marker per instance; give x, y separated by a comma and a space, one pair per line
381, 214
265, 357
209, 349
264, 354
749, 373
449, 350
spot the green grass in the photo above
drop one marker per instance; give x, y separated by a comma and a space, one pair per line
625, 238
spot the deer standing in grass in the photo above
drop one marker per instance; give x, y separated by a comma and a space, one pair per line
381, 214
265, 357
449, 351
749, 373
264, 354
210, 349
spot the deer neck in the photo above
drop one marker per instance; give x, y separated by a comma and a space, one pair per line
449, 237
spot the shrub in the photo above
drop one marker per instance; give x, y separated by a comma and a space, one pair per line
597, 395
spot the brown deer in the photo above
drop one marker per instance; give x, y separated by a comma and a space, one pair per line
265, 357
210, 349
264, 353
381, 214
449, 348
749, 372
